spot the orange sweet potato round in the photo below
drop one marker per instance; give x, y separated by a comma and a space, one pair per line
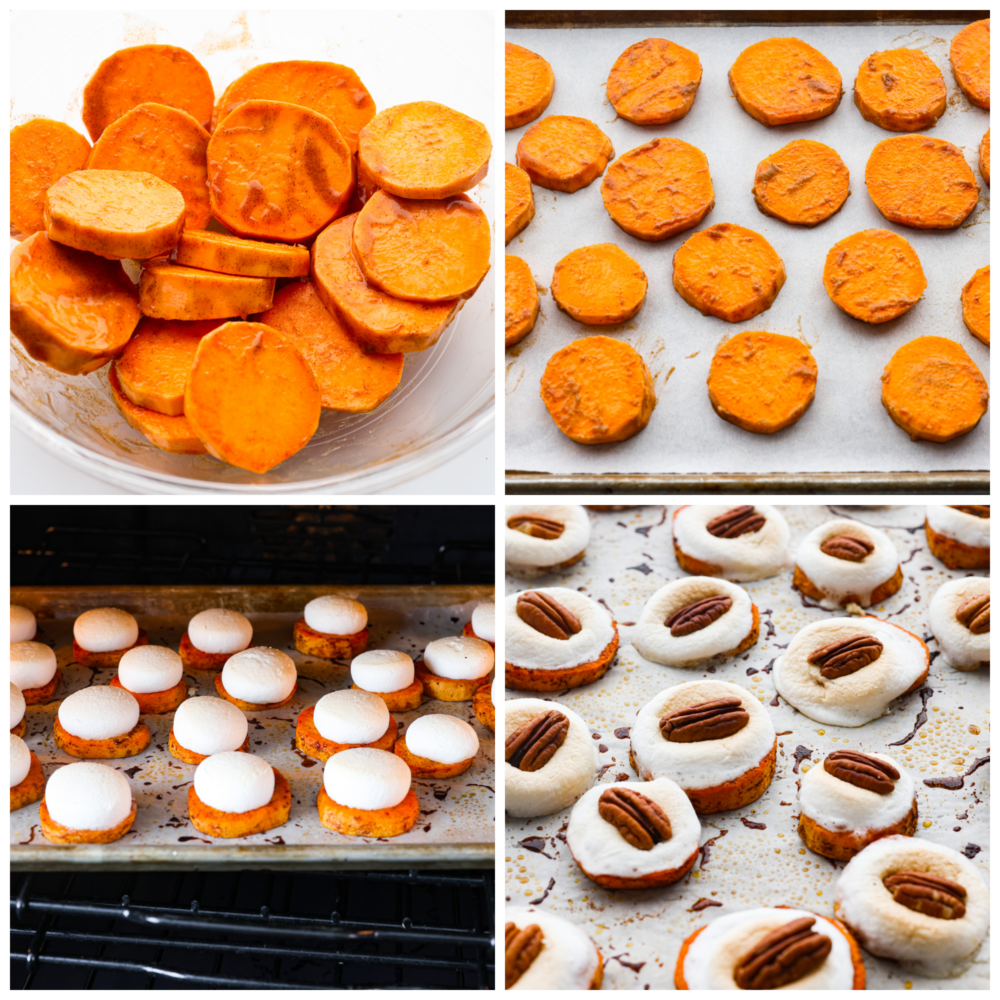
349, 380
71, 310
599, 285
41, 151
520, 300
351, 822
211, 251
169, 291
984, 157
564, 153
803, 183
976, 305
900, 90
174, 434
528, 85
654, 82
970, 62
519, 202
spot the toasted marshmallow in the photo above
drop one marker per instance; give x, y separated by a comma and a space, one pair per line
443, 738
16, 705
363, 778
484, 621
459, 657
32, 664
261, 675
219, 631
234, 782
209, 725
99, 713
336, 615
88, 796
22, 624
351, 717
20, 760
145, 669
102, 630
382, 670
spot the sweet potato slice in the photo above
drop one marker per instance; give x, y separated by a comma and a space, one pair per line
165, 142
349, 380
654, 82
278, 171
119, 214
41, 151
874, 275
564, 153
211, 251
424, 150
528, 85
933, 390
729, 272
169, 291
251, 396
658, 189
174, 434
803, 183
921, 182
900, 90
71, 310
782, 80
976, 305
762, 382
424, 251
519, 202
520, 300
161, 74
378, 322
984, 157
332, 90
970, 62
599, 285
154, 367
598, 390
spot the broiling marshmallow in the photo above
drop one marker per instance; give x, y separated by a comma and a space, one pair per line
32, 664
219, 630
209, 725
962, 648
484, 621
146, 669
20, 760
459, 657
16, 706
99, 713
443, 738
351, 717
234, 782
364, 778
22, 624
334, 615
382, 670
88, 796
103, 630
262, 675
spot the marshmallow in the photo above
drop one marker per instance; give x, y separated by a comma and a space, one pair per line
22, 624
363, 778
234, 782
20, 760
351, 717
382, 670
442, 738
754, 555
484, 621
145, 669
336, 615
32, 664
839, 579
208, 725
961, 649
219, 631
528, 648
967, 529
497, 690
88, 796
99, 713
529, 556
16, 706
568, 959
459, 657
102, 630
262, 675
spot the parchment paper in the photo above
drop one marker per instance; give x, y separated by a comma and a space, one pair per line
846, 429
629, 557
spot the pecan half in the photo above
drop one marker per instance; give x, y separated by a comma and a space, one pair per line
546, 615
784, 956
709, 720
534, 744
736, 522
639, 820
974, 614
537, 526
862, 771
521, 948
846, 656
975, 509
701, 614
927, 894
851, 548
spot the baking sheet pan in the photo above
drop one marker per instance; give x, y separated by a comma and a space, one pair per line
455, 828
752, 856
